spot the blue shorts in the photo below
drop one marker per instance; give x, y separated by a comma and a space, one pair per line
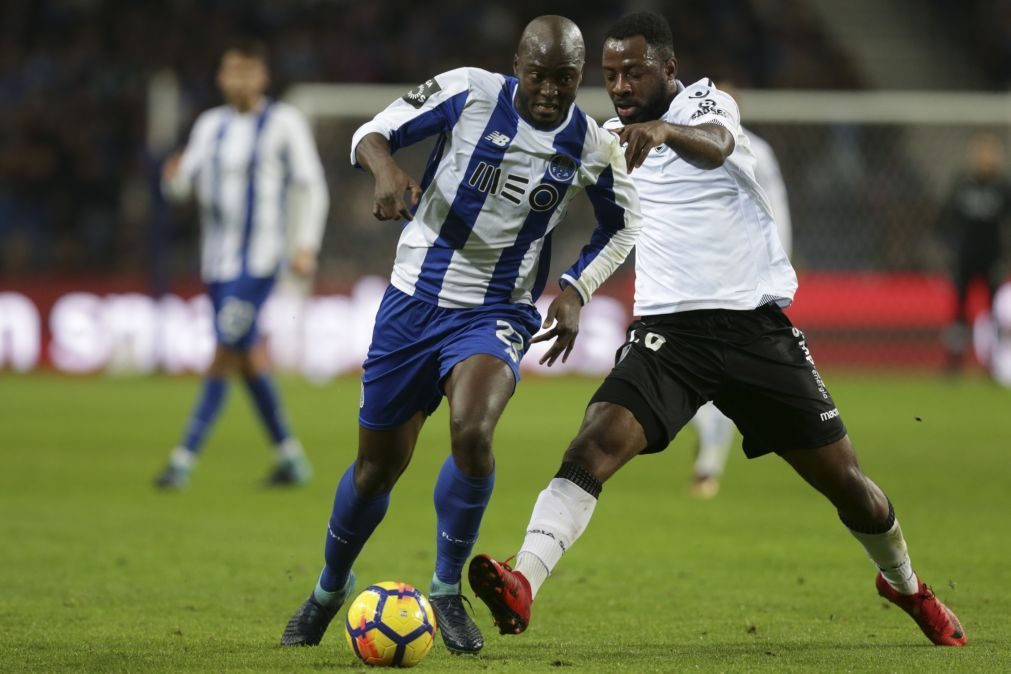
415, 346
237, 305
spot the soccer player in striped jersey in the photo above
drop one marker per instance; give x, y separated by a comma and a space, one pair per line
711, 281
247, 163
510, 155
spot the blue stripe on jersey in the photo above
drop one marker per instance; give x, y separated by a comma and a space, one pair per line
433, 164
215, 204
610, 218
468, 202
219, 136
543, 268
247, 226
440, 118
568, 142
285, 185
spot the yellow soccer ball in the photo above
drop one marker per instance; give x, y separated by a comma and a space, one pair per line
390, 624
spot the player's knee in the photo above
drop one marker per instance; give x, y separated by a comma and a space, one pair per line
470, 437
471, 443
373, 478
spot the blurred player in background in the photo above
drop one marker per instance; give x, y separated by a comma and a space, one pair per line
511, 154
714, 429
977, 210
249, 163
711, 281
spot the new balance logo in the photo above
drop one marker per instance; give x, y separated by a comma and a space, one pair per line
498, 138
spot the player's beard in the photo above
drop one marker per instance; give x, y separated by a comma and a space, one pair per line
652, 108
655, 107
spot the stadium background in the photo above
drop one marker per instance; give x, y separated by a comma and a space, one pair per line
101, 572
83, 129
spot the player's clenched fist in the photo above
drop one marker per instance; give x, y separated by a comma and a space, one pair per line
392, 187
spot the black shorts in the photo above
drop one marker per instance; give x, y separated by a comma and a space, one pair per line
754, 365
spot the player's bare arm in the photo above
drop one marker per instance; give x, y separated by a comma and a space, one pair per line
170, 169
303, 262
705, 146
563, 314
392, 183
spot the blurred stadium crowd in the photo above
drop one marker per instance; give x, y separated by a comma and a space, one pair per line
75, 177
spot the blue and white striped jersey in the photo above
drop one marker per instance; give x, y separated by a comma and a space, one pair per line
494, 190
243, 167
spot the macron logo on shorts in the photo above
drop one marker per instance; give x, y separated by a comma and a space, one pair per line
831, 414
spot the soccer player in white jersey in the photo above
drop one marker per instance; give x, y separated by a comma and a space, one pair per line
715, 430
246, 162
711, 278
510, 155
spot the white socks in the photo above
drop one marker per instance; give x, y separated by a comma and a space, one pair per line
888, 552
533, 569
182, 458
290, 449
560, 516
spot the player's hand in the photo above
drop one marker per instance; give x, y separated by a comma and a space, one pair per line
170, 169
639, 139
303, 263
391, 198
563, 312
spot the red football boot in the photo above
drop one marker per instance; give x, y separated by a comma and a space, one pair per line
935, 619
506, 592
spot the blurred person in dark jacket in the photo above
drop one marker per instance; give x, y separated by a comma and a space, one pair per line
973, 219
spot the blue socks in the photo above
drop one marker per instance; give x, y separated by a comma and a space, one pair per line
353, 520
460, 502
268, 404
206, 411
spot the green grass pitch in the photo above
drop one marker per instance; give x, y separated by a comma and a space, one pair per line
100, 572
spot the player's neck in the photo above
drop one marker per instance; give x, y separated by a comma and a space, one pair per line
248, 105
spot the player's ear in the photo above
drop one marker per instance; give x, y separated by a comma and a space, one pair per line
670, 69
516, 65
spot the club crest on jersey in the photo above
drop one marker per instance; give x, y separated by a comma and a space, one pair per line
562, 168
421, 93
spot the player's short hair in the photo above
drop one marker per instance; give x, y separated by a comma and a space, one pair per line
248, 47
651, 26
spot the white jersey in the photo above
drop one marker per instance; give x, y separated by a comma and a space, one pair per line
769, 176
494, 190
710, 239
242, 166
